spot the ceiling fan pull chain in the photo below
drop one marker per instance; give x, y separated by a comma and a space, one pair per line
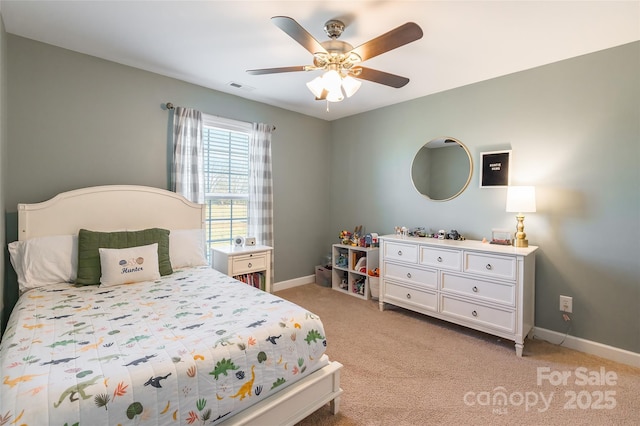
327, 106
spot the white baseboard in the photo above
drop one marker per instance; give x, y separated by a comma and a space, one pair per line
283, 285
587, 346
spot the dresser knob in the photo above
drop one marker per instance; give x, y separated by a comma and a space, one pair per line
474, 313
475, 289
408, 274
399, 252
408, 296
250, 265
439, 259
489, 267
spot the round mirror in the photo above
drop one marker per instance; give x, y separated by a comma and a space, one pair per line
442, 169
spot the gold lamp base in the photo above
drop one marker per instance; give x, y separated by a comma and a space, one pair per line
521, 237
520, 243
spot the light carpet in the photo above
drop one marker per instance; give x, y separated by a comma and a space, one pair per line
402, 368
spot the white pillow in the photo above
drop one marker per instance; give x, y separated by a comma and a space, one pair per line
46, 260
129, 265
186, 248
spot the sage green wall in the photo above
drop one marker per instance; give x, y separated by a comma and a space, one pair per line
75, 121
574, 128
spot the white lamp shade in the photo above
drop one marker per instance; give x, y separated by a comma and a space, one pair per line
331, 85
316, 86
335, 95
350, 85
521, 199
332, 81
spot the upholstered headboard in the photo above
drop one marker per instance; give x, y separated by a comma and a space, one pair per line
108, 208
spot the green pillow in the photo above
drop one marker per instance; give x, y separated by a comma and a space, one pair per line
90, 241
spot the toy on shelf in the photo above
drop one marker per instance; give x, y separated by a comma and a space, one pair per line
342, 260
371, 240
359, 285
355, 239
345, 237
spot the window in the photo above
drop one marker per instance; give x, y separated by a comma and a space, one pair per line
226, 177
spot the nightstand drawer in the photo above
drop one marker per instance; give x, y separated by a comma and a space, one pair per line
427, 278
490, 265
407, 295
441, 258
403, 252
249, 263
501, 319
501, 292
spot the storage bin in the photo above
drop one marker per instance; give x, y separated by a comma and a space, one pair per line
323, 275
374, 285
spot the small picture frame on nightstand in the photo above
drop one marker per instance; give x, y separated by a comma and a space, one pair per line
503, 237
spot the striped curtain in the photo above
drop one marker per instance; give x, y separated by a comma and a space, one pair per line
187, 173
261, 186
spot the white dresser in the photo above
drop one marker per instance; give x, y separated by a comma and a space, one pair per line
487, 287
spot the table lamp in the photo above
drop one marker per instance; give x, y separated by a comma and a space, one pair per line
521, 199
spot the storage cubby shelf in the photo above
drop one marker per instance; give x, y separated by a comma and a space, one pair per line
350, 269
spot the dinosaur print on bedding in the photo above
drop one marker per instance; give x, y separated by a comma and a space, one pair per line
193, 347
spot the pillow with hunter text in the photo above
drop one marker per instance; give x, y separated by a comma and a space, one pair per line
129, 265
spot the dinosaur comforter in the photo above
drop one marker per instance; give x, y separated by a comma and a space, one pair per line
190, 348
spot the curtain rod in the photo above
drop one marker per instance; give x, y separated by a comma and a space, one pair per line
170, 107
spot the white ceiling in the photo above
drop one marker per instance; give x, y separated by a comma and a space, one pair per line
213, 43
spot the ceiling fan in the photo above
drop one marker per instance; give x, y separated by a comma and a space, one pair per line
341, 60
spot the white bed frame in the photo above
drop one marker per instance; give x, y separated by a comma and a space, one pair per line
126, 207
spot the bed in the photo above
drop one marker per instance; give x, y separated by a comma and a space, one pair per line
189, 346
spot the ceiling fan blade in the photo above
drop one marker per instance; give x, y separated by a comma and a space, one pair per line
299, 34
382, 77
277, 70
393, 39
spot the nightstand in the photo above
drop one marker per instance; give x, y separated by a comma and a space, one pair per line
250, 264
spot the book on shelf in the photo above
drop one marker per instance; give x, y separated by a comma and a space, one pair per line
255, 279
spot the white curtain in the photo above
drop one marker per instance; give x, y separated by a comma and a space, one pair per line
260, 184
187, 174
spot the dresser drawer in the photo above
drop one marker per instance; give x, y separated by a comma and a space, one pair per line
422, 277
490, 265
501, 292
249, 263
441, 258
403, 252
405, 295
500, 319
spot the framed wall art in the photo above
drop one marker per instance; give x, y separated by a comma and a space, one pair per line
495, 169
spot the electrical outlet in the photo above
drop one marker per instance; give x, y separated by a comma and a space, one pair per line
566, 304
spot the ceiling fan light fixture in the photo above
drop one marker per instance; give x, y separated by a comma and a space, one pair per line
332, 81
316, 86
350, 85
335, 95
333, 87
